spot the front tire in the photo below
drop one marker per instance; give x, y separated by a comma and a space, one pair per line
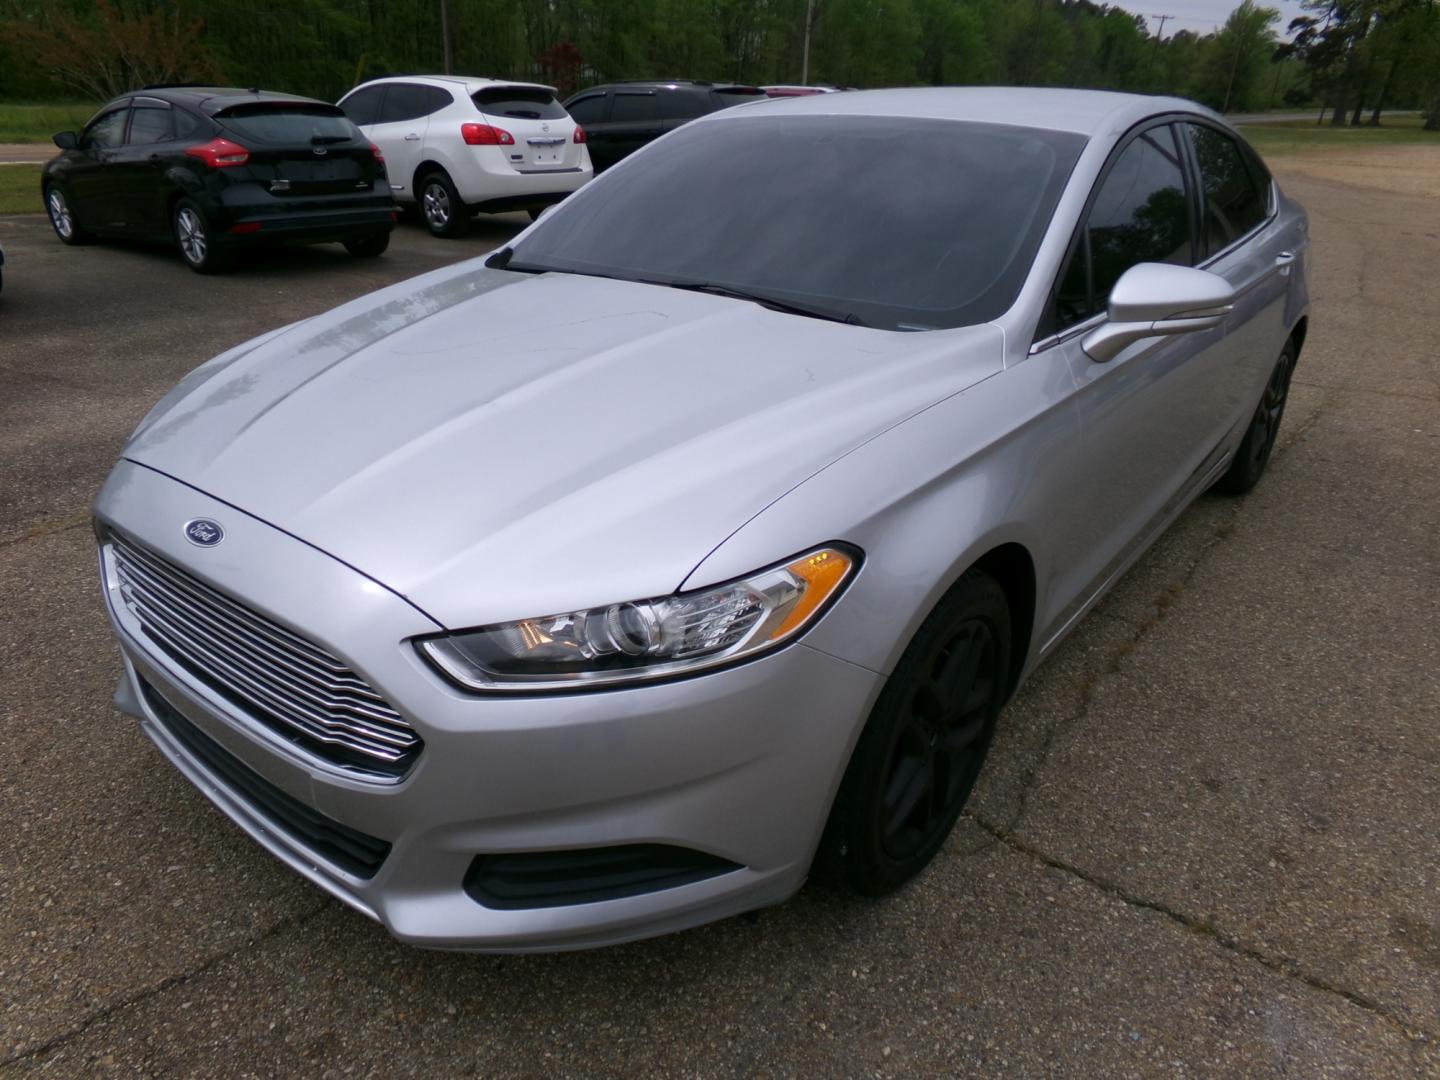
441, 208
923, 746
368, 247
1259, 441
62, 218
196, 239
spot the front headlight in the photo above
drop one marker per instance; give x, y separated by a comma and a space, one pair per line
646, 639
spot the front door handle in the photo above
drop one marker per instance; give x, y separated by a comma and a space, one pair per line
412, 137
1283, 262
155, 159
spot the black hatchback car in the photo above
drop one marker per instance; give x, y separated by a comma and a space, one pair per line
619, 118
213, 169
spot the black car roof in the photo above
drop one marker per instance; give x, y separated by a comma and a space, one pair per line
213, 99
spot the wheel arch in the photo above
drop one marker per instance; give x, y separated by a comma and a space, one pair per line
427, 166
1012, 565
1298, 332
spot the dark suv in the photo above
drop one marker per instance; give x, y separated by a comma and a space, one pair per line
619, 118
210, 169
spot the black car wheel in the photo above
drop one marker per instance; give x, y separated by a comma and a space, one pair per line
368, 247
924, 744
441, 208
195, 239
1255, 449
62, 218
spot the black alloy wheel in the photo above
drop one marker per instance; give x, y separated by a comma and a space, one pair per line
1259, 441
923, 747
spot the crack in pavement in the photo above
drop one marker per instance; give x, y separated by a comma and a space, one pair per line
168, 983
48, 527
1008, 835
1111, 666
1282, 965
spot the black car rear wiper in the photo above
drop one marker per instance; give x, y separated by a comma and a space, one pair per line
774, 303
327, 140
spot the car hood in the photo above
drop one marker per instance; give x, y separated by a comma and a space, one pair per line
494, 445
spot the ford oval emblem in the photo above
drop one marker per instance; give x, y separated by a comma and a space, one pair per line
320, 151
203, 532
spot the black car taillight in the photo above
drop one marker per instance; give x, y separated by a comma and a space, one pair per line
219, 153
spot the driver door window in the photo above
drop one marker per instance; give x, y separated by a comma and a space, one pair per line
106, 132
1140, 214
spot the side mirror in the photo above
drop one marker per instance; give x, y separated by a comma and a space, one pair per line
1156, 299
66, 140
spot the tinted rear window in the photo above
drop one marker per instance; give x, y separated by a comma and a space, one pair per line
519, 102
904, 223
264, 123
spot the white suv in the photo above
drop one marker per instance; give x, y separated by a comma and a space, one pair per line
457, 146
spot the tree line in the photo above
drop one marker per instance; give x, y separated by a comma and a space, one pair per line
1345, 55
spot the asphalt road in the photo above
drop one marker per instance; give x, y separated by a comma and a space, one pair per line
1207, 843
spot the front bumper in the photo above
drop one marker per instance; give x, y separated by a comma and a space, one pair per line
740, 764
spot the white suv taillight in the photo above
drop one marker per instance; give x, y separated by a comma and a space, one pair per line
485, 135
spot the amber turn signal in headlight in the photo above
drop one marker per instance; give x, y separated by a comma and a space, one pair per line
647, 639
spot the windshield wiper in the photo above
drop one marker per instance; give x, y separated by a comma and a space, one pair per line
774, 303
501, 261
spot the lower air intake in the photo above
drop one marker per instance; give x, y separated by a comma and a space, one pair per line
541, 879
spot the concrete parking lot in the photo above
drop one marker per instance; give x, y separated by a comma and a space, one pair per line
1208, 840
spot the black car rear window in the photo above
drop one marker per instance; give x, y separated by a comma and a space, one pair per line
905, 224
521, 102
263, 122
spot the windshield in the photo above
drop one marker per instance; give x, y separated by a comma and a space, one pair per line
287, 123
898, 223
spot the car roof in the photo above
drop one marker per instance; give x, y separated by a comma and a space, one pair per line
668, 84
1084, 112
469, 83
212, 99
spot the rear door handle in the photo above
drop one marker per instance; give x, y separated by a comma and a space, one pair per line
1285, 258
412, 137
155, 159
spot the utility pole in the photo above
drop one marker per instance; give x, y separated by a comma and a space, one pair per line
805, 54
1155, 52
445, 35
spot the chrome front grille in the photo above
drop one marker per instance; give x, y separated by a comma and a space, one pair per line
292, 685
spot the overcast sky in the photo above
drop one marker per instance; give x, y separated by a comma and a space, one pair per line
1203, 16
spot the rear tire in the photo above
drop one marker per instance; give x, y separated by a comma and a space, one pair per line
195, 239
368, 247
62, 218
923, 746
1259, 441
441, 208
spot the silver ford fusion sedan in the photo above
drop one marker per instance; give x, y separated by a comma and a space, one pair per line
690, 544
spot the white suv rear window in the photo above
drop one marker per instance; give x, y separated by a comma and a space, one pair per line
520, 102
